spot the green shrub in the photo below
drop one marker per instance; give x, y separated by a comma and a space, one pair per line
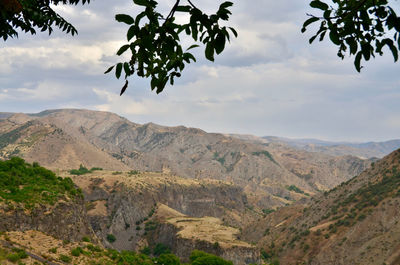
268, 211
24, 183
13, 257
133, 172
168, 259
86, 239
295, 189
65, 258
93, 248
111, 238
161, 249
76, 251
81, 171
53, 250
146, 251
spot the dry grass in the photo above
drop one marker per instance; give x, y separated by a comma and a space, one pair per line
208, 229
150, 181
41, 245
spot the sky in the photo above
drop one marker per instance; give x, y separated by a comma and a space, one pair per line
268, 81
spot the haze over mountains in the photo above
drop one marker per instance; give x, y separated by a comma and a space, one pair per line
362, 150
64, 139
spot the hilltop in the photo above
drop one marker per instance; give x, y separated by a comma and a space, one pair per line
354, 223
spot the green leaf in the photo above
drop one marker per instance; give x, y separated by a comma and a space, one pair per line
192, 46
233, 31
127, 19
393, 48
366, 50
220, 43
333, 35
318, 4
183, 8
308, 22
141, 2
357, 61
352, 44
122, 49
312, 38
131, 32
118, 70
109, 69
209, 52
127, 69
225, 5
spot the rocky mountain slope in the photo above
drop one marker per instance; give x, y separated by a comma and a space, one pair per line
66, 138
121, 210
121, 203
354, 223
365, 150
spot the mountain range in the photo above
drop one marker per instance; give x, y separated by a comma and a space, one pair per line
64, 139
130, 186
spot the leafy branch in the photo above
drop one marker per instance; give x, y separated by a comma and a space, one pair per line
27, 15
154, 41
360, 27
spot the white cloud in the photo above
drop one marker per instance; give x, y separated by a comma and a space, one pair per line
267, 81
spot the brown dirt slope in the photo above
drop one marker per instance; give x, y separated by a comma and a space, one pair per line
355, 223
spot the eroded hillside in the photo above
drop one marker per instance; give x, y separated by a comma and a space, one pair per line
355, 223
67, 138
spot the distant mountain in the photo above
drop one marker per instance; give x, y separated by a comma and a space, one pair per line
270, 174
364, 150
357, 222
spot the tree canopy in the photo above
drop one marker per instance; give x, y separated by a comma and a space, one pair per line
359, 28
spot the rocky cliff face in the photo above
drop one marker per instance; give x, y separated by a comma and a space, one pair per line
65, 220
239, 254
121, 204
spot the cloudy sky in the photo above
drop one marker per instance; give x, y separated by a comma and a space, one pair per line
268, 81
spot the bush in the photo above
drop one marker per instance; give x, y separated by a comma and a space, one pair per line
86, 239
202, 258
24, 183
93, 248
168, 259
53, 250
146, 251
76, 251
111, 238
81, 171
161, 249
65, 258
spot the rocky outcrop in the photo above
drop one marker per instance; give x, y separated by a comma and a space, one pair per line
65, 220
168, 235
121, 204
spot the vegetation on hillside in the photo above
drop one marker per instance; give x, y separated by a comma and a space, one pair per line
82, 170
88, 253
28, 184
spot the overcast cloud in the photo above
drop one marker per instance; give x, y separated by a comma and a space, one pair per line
268, 81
